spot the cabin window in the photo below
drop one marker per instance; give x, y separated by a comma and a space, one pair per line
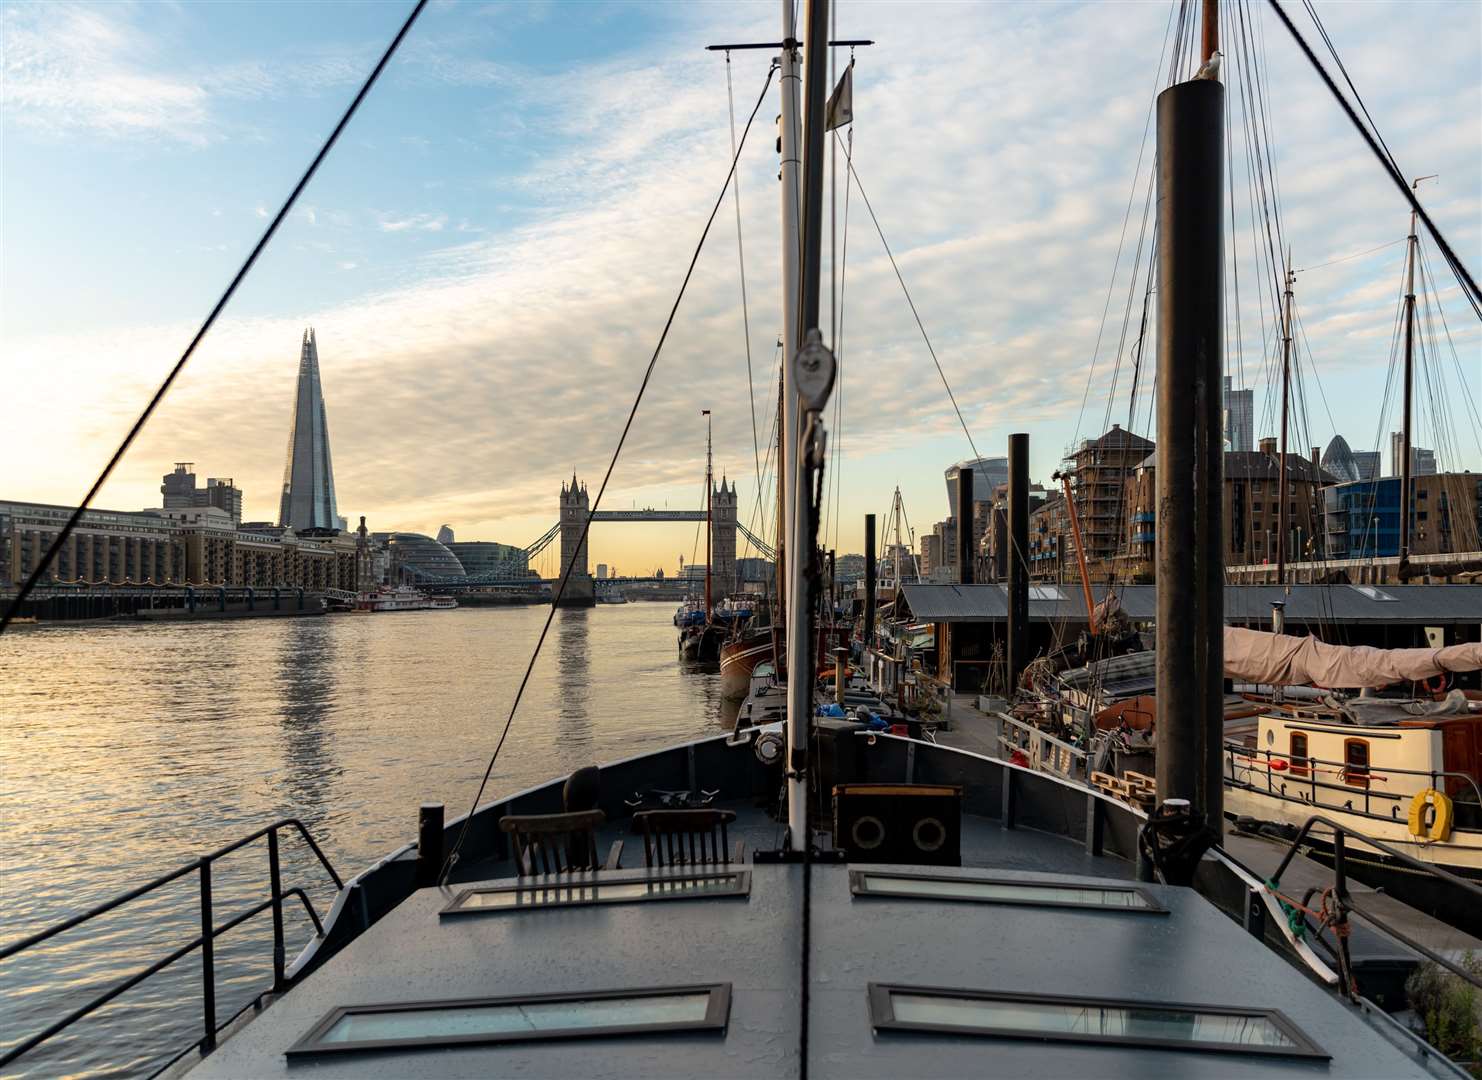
1356, 762
999, 890
523, 896
1298, 753
533, 1017
1054, 1018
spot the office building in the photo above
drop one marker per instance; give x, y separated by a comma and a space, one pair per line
181, 493
1240, 414
308, 500
1422, 461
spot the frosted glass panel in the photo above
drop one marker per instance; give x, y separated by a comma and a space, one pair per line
1112, 1021
456, 1021
1007, 891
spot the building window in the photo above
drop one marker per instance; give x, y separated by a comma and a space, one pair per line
1255, 487
1356, 762
1298, 753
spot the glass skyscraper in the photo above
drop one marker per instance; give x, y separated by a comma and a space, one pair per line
308, 476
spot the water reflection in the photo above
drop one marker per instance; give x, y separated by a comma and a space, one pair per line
573, 687
307, 666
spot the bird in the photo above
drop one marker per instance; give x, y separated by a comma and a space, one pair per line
1211, 68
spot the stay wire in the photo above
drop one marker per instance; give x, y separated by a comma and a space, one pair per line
1463, 275
849, 163
756, 453
164, 388
452, 858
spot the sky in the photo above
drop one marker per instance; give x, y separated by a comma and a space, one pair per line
490, 253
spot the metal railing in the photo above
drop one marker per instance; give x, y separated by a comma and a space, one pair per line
205, 941
1340, 890
1302, 772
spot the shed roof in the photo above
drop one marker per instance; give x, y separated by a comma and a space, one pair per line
1431, 605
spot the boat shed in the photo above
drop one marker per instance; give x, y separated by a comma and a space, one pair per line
971, 620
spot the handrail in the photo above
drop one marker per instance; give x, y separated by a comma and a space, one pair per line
1369, 771
205, 941
1340, 884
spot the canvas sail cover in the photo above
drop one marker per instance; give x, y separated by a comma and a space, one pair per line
1283, 660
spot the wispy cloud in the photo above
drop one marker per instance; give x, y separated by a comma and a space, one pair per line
502, 363
414, 223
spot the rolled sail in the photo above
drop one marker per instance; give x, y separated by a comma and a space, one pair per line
1283, 660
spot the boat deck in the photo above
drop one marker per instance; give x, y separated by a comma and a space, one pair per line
1183, 952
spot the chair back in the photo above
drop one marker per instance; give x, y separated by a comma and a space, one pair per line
685, 837
554, 843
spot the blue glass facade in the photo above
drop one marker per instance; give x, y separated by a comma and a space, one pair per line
1363, 518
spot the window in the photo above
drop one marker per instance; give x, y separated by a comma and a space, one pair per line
1298, 755
475, 1021
1356, 762
1255, 487
576, 893
1000, 890
1174, 1026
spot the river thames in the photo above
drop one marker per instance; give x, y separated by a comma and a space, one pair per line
127, 750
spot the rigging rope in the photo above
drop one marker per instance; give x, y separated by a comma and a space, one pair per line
452, 858
44, 564
1463, 275
741, 259
849, 164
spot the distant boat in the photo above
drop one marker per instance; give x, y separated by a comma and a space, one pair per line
401, 598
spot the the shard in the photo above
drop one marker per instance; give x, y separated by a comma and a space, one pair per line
308, 477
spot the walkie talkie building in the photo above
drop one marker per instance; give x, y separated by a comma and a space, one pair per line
308, 476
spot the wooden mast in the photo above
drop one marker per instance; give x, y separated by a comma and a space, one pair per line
709, 518
1282, 524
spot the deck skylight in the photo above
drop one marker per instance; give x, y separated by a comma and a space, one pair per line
481, 1021
1169, 1025
525, 895
1001, 890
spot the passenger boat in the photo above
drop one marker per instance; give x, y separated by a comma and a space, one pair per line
401, 598
859, 904
1405, 772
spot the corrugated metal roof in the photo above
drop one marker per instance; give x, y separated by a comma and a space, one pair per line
1433, 605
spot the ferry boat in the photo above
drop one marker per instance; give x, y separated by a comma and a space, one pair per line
401, 598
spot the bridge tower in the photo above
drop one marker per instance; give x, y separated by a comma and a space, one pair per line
723, 541
575, 505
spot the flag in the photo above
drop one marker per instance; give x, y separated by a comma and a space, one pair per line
840, 110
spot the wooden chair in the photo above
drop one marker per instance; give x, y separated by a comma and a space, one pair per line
558, 843
687, 838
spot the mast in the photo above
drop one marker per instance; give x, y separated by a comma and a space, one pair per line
1405, 465
1282, 525
709, 517
789, 86
803, 369
1190, 615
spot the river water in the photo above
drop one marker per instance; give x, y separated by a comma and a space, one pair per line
127, 750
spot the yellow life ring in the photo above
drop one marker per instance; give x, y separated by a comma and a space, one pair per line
1441, 822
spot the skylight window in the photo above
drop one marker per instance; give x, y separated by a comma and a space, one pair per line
999, 890
482, 1021
524, 896
1174, 1026
1371, 592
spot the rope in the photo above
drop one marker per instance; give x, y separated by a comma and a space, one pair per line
159, 395
756, 453
1463, 275
452, 858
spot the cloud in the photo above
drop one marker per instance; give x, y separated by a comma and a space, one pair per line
467, 390
74, 70
414, 223
69, 69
